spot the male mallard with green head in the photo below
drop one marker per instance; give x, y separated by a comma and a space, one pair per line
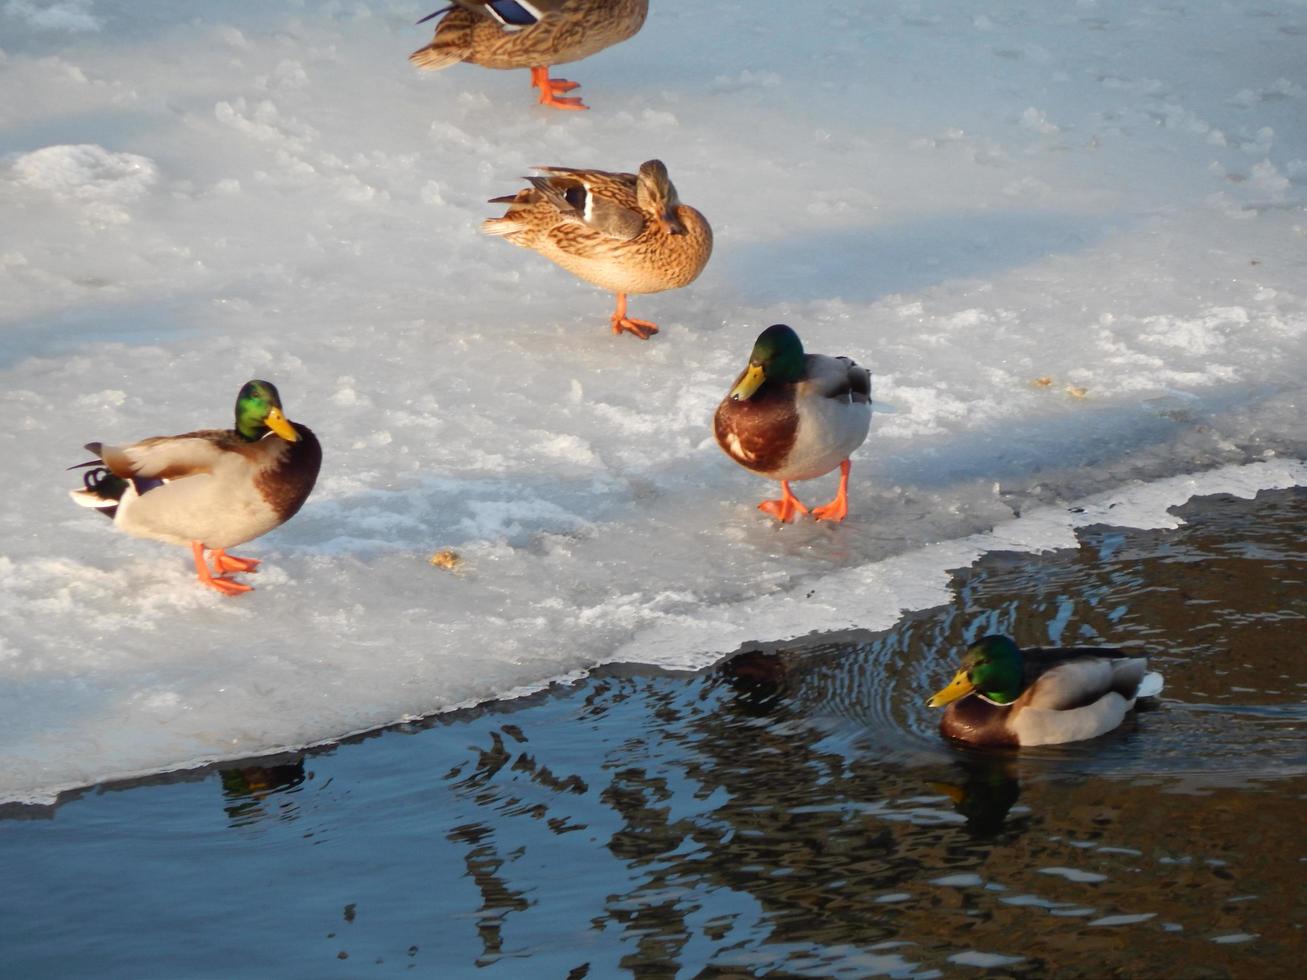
530, 34
795, 416
628, 233
212, 489
1006, 696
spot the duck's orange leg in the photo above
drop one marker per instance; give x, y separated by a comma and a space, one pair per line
551, 87
221, 583
224, 562
785, 509
641, 328
837, 509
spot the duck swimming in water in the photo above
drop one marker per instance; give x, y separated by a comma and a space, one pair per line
1005, 696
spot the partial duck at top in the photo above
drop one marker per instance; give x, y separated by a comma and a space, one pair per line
531, 34
628, 233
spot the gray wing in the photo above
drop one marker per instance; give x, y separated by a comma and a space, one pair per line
1081, 681
838, 377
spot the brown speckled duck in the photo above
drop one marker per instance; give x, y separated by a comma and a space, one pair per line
795, 416
212, 489
1004, 696
628, 233
530, 34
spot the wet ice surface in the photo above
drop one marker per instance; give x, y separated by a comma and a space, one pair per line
791, 812
1068, 242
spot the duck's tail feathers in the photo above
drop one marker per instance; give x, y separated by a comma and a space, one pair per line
101, 490
502, 227
97, 449
435, 13
437, 55
1151, 686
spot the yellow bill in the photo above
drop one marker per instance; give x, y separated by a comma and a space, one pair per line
279, 424
751, 382
959, 687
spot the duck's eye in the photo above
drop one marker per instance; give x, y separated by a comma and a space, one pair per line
576, 197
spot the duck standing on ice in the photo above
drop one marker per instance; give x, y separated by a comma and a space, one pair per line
628, 233
795, 416
212, 489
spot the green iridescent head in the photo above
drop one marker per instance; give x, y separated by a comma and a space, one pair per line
777, 356
993, 667
258, 411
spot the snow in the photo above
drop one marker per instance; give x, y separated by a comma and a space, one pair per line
1068, 239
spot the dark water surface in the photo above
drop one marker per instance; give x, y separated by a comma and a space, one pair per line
791, 813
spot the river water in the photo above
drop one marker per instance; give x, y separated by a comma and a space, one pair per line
790, 812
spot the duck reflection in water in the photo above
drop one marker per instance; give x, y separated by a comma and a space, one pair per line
761, 681
246, 790
986, 788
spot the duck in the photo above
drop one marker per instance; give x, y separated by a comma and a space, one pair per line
212, 489
531, 34
794, 416
1004, 696
627, 233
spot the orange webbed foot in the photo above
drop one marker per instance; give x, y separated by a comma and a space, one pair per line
220, 582
561, 102
641, 328
787, 508
223, 562
226, 585
837, 509
550, 89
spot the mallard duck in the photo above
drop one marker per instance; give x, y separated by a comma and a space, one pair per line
1006, 696
795, 416
212, 489
628, 233
530, 34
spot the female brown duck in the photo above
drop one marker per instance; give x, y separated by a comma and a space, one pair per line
628, 233
530, 34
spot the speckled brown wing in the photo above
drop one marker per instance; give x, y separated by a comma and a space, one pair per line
604, 202
758, 432
649, 261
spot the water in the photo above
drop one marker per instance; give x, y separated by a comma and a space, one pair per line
790, 812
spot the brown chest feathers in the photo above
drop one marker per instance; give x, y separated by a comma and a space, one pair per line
759, 432
286, 484
978, 722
